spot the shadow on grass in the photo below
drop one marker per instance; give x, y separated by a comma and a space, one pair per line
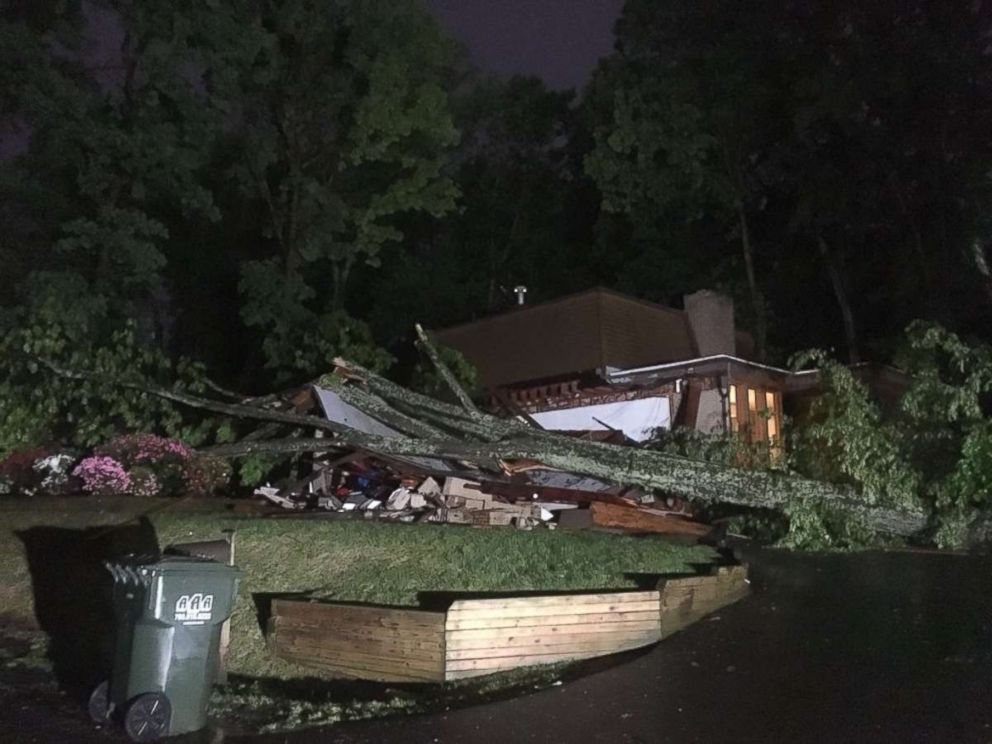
72, 595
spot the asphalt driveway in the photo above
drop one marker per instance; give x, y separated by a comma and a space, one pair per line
848, 648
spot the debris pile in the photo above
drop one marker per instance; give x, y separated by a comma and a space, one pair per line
377, 492
374, 489
354, 413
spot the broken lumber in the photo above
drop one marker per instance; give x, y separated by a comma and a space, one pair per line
633, 519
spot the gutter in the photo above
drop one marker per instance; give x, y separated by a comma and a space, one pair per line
623, 375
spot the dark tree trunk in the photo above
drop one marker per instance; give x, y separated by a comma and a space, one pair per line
757, 298
843, 301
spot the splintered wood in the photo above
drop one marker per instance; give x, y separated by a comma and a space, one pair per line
643, 520
483, 636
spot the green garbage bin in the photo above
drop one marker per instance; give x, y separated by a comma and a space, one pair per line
169, 612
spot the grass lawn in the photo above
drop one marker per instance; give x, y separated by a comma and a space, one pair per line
343, 560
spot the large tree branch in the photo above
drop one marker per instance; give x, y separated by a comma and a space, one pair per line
691, 479
235, 410
446, 374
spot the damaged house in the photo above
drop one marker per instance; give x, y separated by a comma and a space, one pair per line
596, 366
601, 361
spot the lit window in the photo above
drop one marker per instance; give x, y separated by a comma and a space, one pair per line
734, 423
755, 423
772, 415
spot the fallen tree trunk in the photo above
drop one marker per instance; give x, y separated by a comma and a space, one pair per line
689, 479
432, 428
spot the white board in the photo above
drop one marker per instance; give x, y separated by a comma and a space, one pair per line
636, 418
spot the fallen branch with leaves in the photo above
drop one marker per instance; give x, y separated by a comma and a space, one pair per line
428, 427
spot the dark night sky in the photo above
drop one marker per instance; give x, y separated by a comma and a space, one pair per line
557, 40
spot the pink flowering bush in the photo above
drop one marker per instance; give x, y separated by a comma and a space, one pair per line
158, 466
103, 476
146, 449
165, 459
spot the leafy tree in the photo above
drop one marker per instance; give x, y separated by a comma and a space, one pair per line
684, 114
114, 155
516, 221
341, 121
936, 450
70, 329
840, 145
887, 159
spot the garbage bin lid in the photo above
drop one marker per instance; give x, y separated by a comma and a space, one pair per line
181, 563
172, 564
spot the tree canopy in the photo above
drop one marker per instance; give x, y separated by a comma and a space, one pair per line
246, 189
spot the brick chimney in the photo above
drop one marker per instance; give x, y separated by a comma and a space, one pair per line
711, 319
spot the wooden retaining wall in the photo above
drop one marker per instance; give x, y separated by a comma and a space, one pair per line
686, 600
387, 645
481, 636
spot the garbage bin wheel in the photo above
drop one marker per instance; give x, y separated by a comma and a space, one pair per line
99, 706
148, 716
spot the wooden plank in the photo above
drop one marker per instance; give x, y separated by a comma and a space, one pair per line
332, 626
543, 630
357, 631
567, 600
476, 623
639, 520
551, 610
397, 647
457, 644
319, 652
379, 663
362, 671
512, 662
367, 665
356, 613
382, 663
556, 645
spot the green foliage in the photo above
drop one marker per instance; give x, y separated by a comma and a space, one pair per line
427, 380
300, 342
823, 142
721, 449
64, 325
346, 129
846, 439
936, 451
252, 469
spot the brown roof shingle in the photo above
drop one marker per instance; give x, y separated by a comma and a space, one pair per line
574, 334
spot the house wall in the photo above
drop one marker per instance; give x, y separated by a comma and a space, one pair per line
711, 416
